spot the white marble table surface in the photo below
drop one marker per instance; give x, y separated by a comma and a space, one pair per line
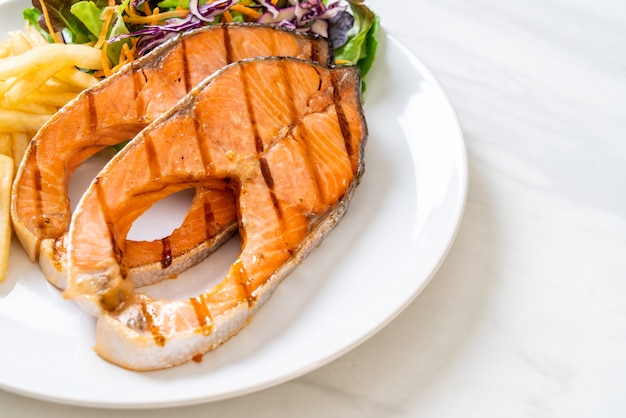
527, 315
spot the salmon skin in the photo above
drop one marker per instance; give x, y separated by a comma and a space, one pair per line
116, 110
287, 135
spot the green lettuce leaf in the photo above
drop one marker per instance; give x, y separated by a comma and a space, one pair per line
173, 4
89, 14
63, 20
115, 48
362, 43
32, 17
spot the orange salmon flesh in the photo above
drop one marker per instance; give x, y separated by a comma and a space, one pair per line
285, 137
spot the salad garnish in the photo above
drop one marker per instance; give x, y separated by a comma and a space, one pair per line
128, 29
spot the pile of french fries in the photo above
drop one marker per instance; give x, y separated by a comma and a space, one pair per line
36, 79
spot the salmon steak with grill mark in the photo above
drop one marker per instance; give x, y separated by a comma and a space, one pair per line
286, 135
115, 110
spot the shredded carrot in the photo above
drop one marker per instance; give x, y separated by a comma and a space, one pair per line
246, 11
46, 17
227, 16
107, 16
123, 58
132, 11
106, 66
129, 53
117, 67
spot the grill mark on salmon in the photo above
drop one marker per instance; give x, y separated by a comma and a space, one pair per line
139, 81
227, 45
265, 171
92, 112
308, 174
118, 253
203, 314
258, 142
133, 98
159, 339
166, 259
242, 284
343, 123
246, 80
36, 191
209, 218
152, 159
269, 181
319, 86
314, 53
185, 62
311, 166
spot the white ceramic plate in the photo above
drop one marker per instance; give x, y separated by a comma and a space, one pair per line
396, 233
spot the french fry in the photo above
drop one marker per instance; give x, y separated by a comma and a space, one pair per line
30, 82
17, 121
5, 48
19, 42
38, 78
56, 85
6, 144
6, 179
76, 78
20, 143
36, 39
54, 100
51, 54
32, 105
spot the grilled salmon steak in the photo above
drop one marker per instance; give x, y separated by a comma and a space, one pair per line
288, 138
115, 110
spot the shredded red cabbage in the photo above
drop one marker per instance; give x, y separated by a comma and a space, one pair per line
332, 21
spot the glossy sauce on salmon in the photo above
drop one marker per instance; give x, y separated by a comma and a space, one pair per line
115, 110
288, 137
